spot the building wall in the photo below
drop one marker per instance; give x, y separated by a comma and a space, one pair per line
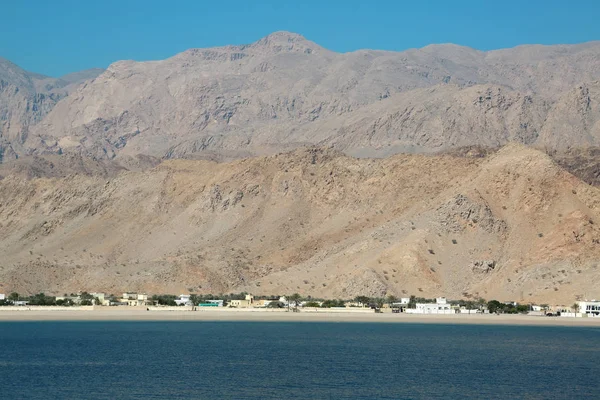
429, 308
240, 303
591, 308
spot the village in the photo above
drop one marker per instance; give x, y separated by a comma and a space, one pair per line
294, 303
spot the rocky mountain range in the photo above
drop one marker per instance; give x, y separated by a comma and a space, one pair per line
284, 92
281, 167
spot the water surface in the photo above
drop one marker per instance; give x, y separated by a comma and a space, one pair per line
295, 360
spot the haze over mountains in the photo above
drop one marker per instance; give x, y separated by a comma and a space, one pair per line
94, 194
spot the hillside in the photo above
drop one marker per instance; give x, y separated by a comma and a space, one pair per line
510, 225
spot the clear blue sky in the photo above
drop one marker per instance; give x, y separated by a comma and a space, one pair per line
55, 37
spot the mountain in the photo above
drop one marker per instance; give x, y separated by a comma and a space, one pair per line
509, 225
26, 98
281, 166
284, 92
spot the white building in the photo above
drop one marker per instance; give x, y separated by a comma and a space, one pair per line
134, 299
2, 296
102, 299
589, 308
403, 302
465, 310
183, 300
440, 306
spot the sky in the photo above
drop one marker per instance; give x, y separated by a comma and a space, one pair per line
61, 36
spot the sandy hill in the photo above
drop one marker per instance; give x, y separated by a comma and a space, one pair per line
511, 225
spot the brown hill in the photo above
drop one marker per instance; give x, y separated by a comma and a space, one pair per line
512, 225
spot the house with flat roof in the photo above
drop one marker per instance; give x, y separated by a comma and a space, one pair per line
247, 302
134, 299
184, 300
589, 308
2, 296
440, 306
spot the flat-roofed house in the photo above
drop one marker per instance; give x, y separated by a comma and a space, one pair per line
440, 306
184, 300
247, 302
134, 299
589, 308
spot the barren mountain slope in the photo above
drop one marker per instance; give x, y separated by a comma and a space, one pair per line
284, 91
25, 98
510, 226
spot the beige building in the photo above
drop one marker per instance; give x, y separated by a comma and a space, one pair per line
247, 302
134, 299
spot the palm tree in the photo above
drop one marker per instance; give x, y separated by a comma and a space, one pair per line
295, 298
575, 308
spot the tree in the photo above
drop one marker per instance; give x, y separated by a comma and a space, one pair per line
14, 296
362, 300
86, 302
41, 299
522, 308
195, 299
165, 299
86, 296
295, 300
575, 308
275, 304
412, 303
311, 304
332, 303
495, 306
391, 299
64, 303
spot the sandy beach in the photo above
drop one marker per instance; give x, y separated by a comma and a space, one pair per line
284, 316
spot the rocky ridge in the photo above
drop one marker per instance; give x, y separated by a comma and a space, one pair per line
284, 91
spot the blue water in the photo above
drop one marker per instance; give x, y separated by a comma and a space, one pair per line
248, 360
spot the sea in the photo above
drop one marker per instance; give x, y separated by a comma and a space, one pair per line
289, 360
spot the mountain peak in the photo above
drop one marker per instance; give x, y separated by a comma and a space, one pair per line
283, 41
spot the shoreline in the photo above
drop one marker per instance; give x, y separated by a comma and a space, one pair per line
284, 316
